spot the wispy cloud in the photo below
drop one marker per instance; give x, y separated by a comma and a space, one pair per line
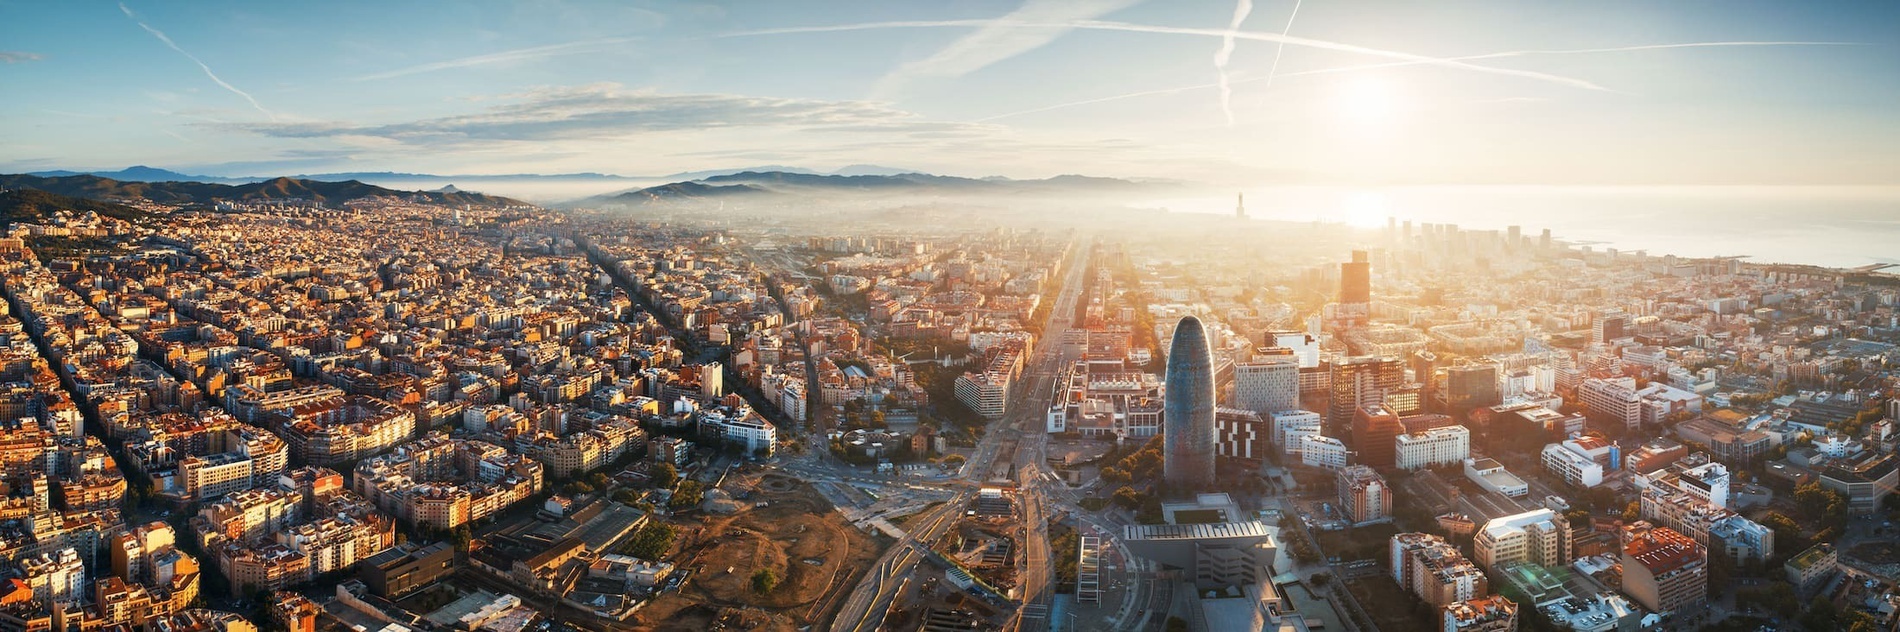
194, 58
1225, 53
998, 40
507, 56
1394, 64
15, 57
1098, 25
1117, 97
1570, 51
609, 111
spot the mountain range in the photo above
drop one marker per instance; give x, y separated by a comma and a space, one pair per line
94, 187
172, 187
755, 184
142, 173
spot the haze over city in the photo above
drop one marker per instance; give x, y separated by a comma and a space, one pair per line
1022, 315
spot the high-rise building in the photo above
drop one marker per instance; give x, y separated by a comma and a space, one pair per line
1268, 384
1188, 443
1374, 430
1355, 289
1363, 494
1358, 383
1469, 387
1664, 570
1611, 326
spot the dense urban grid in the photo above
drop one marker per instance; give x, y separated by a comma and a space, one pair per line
402, 414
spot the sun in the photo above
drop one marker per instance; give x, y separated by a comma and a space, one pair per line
1365, 209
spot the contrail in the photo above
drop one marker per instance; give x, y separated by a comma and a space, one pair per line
1281, 47
518, 54
1359, 67
1096, 25
214, 76
1225, 53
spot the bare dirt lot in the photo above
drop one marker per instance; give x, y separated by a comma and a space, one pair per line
815, 554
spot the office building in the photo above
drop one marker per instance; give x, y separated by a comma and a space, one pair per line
1610, 327
1269, 383
1323, 451
1540, 537
1445, 445
1290, 425
1188, 443
1575, 469
1355, 290
1359, 383
406, 568
1240, 434
1469, 387
1374, 430
1209, 540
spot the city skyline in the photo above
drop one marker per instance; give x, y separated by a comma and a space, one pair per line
1254, 93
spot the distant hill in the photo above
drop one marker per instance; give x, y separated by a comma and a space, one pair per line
764, 183
680, 192
168, 192
30, 205
142, 173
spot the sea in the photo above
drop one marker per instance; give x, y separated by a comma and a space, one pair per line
1832, 226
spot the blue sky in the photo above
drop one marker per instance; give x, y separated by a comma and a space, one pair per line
1689, 92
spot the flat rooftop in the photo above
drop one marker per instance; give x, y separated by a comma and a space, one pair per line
1248, 529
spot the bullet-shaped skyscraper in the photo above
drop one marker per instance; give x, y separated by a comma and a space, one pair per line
1187, 444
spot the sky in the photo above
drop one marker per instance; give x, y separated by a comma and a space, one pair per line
1252, 92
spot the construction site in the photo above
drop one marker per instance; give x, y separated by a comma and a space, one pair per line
778, 524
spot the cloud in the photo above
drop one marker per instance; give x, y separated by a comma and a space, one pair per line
998, 40
1570, 51
608, 110
15, 57
507, 56
1393, 64
1225, 53
208, 73
1171, 30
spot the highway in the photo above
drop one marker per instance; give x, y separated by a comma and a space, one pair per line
1029, 399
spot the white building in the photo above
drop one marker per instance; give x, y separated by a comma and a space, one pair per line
1268, 385
1491, 475
1540, 537
1575, 468
1437, 446
1322, 451
1290, 425
1612, 400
